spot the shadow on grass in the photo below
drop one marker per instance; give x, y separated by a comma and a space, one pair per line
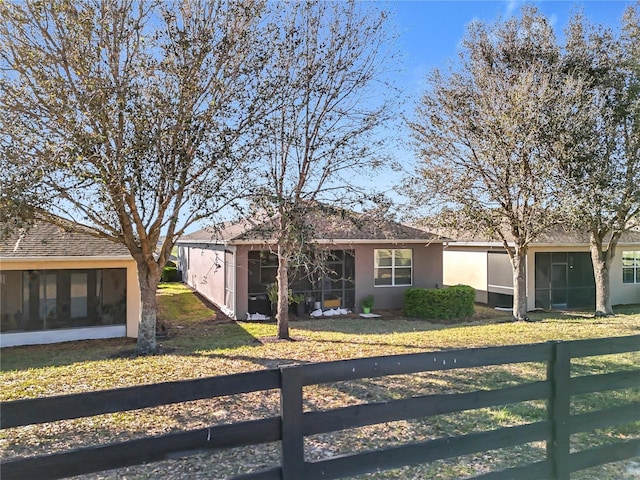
267, 363
206, 335
62, 354
376, 326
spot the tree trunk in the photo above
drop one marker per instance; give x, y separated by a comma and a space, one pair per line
601, 261
518, 262
148, 279
283, 295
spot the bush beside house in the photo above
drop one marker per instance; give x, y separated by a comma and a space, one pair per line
442, 304
170, 274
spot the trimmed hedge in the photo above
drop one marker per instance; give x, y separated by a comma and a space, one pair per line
440, 303
170, 274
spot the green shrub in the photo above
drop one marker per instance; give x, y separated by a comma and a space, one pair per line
169, 274
442, 304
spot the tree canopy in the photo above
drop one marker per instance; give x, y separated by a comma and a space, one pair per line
524, 134
483, 133
598, 173
127, 117
328, 62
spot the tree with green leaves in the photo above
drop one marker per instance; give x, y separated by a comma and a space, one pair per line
483, 132
599, 171
329, 60
127, 116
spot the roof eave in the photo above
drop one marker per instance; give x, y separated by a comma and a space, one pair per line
66, 258
323, 241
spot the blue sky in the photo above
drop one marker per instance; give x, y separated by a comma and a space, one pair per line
431, 32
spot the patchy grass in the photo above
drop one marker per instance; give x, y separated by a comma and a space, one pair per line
202, 342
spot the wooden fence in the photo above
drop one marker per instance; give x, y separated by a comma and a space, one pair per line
294, 424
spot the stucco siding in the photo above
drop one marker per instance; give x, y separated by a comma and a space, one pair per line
427, 273
623, 293
202, 268
466, 268
204, 271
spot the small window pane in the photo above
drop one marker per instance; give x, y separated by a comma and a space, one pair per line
383, 258
403, 258
628, 259
637, 275
627, 275
403, 276
383, 276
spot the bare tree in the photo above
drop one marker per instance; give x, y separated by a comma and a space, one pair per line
328, 62
129, 116
483, 133
599, 172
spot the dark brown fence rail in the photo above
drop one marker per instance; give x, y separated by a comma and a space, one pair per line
294, 424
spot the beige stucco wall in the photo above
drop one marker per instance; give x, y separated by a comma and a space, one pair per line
69, 263
467, 268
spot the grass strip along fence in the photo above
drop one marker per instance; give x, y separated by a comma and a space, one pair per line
294, 423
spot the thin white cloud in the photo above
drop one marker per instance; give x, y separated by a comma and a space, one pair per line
512, 5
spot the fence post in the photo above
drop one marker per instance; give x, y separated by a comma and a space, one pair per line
559, 376
291, 415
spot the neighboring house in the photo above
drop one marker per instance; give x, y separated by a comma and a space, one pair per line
559, 272
232, 266
58, 286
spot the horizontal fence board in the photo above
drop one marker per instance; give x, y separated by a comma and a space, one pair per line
178, 444
603, 346
424, 452
373, 367
49, 409
144, 450
531, 471
613, 452
270, 474
609, 417
605, 382
416, 407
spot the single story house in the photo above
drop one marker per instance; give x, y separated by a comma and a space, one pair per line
58, 286
559, 272
233, 265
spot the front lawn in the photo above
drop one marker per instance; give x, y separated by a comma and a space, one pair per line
202, 343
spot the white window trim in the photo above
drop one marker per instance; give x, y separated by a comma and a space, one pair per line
392, 267
635, 268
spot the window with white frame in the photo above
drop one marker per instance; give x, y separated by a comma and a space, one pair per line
393, 267
631, 267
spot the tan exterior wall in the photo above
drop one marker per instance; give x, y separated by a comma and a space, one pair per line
623, 293
467, 268
133, 295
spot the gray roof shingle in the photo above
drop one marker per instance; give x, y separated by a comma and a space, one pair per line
555, 236
48, 240
337, 226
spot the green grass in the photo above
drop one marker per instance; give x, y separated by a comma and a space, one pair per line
202, 344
